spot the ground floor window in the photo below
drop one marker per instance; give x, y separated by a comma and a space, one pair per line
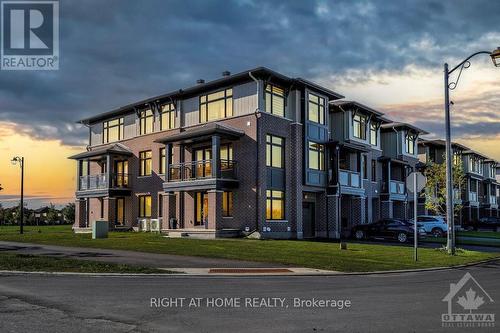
144, 206
201, 208
227, 204
160, 205
120, 211
275, 205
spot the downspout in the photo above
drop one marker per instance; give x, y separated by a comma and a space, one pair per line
257, 176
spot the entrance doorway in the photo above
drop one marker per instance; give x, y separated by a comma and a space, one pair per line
308, 220
201, 208
120, 211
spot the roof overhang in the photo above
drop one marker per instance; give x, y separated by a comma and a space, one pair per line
115, 149
203, 133
397, 125
358, 105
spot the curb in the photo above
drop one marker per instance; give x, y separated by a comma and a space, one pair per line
292, 274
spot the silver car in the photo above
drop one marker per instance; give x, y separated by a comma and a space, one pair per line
432, 224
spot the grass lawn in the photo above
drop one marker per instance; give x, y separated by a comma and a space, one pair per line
30, 263
322, 255
479, 234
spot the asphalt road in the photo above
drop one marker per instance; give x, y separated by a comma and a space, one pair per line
409, 302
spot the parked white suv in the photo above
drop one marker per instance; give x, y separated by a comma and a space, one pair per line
435, 225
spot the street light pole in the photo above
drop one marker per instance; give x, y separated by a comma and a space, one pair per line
495, 57
14, 161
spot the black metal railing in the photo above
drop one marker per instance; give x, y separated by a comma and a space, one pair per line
200, 170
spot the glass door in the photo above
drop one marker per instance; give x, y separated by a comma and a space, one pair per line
120, 211
203, 162
201, 206
121, 173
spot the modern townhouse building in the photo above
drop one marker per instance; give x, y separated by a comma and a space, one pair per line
480, 195
251, 151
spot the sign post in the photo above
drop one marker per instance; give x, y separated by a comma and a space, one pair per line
415, 183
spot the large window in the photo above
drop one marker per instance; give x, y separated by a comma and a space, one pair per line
373, 133
275, 100
410, 143
145, 167
475, 164
112, 130
275, 205
316, 156
227, 204
274, 151
316, 109
359, 126
163, 160
146, 120
216, 106
144, 206
167, 117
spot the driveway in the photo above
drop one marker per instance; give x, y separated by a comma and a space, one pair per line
129, 257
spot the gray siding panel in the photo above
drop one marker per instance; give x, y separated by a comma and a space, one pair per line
129, 126
96, 134
190, 111
244, 98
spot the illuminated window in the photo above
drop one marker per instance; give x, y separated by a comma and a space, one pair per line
410, 143
144, 206
373, 133
227, 204
112, 130
216, 106
145, 167
163, 160
275, 100
359, 126
274, 151
316, 156
275, 205
167, 117
316, 109
146, 120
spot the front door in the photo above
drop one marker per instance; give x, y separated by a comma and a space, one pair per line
120, 211
121, 170
201, 207
308, 220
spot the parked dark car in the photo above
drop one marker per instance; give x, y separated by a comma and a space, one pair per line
490, 223
392, 229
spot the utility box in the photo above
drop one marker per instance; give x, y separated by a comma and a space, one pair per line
100, 229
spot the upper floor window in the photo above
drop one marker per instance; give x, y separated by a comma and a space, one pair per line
275, 100
316, 109
145, 165
492, 170
217, 105
475, 164
457, 158
410, 143
373, 133
359, 126
146, 120
274, 151
112, 130
316, 156
163, 160
167, 117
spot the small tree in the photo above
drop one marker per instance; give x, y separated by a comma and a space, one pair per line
52, 214
435, 188
69, 212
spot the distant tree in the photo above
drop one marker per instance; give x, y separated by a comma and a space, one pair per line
435, 188
52, 214
69, 212
1, 214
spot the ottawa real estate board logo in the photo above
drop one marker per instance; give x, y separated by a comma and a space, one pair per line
467, 302
30, 35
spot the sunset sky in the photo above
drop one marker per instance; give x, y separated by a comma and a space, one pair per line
387, 54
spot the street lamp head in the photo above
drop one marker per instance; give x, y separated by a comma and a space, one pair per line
495, 57
14, 161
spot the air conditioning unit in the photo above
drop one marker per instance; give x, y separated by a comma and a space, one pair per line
155, 225
144, 224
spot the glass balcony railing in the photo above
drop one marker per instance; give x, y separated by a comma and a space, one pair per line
397, 187
101, 181
349, 178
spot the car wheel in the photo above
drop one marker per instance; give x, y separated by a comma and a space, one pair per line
359, 234
437, 232
402, 237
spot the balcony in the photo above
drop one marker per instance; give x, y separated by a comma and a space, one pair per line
350, 182
99, 183
397, 187
200, 174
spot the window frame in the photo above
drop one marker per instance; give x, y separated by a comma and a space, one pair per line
204, 102
269, 96
373, 132
410, 138
363, 120
143, 118
170, 115
374, 171
269, 150
143, 163
143, 206
320, 151
270, 200
106, 128
227, 203
320, 111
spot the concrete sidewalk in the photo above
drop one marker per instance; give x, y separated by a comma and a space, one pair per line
130, 257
